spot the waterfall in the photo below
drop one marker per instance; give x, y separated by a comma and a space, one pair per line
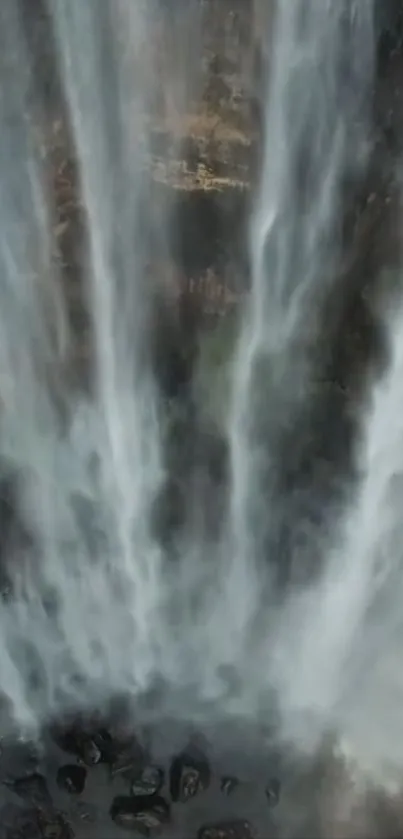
316, 136
85, 583
233, 627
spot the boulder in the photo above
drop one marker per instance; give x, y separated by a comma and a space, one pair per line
72, 778
189, 775
143, 814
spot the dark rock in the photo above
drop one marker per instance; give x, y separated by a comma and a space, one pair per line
89, 738
91, 753
54, 826
72, 778
237, 829
19, 824
273, 792
79, 743
149, 782
32, 788
34, 824
189, 774
228, 784
103, 741
143, 813
85, 751
21, 754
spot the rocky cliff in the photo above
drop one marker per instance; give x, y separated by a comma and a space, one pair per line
205, 136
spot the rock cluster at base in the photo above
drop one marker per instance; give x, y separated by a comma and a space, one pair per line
152, 799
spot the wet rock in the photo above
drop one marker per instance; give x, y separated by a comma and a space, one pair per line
103, 741
189, 774
34, 824
149, 782
54, 826
21, 756
90, 753
31, 788
19, 824
238, 829
272, 792
144, 814
228, 784
72, 778
76, 742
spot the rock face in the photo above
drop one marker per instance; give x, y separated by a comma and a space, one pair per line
204, 151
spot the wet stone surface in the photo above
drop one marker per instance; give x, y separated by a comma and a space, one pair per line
227, 830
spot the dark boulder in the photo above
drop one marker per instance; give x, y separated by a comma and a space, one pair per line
17, 823
149, 782
91, 744
72, 778
33, 789
189, 774
77, 742
144, 814
54, 826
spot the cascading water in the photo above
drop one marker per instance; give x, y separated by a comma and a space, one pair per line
110, 456
233, 627
344, 664
316, 137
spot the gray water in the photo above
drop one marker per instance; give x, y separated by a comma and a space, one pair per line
97, 608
